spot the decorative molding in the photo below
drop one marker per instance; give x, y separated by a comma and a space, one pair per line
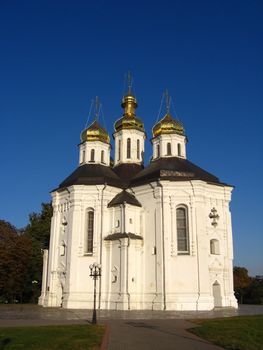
214, 216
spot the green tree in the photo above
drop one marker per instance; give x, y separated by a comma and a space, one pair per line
254, 292
241, 282
15, 250
38, 231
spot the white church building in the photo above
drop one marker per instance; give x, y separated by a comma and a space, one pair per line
162, 233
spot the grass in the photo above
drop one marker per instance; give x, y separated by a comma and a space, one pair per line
234, 333
75, 337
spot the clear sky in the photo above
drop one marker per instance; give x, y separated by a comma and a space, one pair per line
57, 55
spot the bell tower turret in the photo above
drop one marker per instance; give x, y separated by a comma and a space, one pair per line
169, 139
129, 132
95, 142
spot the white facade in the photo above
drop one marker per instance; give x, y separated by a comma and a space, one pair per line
169, 146
163, 243
125, 140
96, 152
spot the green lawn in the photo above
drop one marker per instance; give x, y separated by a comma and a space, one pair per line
75, 337
235, 333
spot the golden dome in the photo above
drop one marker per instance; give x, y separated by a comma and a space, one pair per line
168, 125
129, 119
95, 132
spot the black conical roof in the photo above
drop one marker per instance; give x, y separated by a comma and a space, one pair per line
124, 197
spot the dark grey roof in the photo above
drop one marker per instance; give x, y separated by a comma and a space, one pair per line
124, 197
127, 171
119, 235
125, 175
92, 174
173, 169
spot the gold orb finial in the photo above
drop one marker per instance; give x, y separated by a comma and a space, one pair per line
129, 119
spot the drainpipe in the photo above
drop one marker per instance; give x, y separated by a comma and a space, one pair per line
163, 245
101, 233
155, 255
198, 266
197, 256
120, 271
127, 275
127, 256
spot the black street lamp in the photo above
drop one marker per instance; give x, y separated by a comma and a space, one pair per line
95, 273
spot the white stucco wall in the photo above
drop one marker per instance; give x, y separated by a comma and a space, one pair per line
147, 273
121, 139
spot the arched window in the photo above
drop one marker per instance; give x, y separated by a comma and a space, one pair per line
102, 157
89, 232
83, 156
169, 149
62, 248
92, 155
179, 149
214, 246
158, 151
138, 149
119, 150
128, 148
182, 230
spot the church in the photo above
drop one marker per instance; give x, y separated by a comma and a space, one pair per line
162, 232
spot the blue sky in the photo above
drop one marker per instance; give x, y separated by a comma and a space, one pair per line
58, 55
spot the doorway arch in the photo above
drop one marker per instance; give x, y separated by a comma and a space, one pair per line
217, 294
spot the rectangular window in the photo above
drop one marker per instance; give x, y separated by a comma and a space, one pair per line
89, 232
83, 156
119, 150
158, 151
102, 157
182, 230
128, 148
92, 155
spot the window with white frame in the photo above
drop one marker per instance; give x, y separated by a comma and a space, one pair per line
158, 151
119, 150
179, 150
89, 232
102, 157
169, 149
83, 156
128, 148
182, 230
214, 246
92, 155
138, 149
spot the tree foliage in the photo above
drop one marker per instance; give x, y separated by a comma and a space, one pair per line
248, 290
254, 292
15, 251
38, 231
21, 257
241, 282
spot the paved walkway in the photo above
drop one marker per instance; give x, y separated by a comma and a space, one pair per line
155, 335
129, 330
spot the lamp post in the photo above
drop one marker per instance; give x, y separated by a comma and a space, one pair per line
95, 273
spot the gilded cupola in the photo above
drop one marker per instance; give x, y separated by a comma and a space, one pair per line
168, 125
95, 132
129, 120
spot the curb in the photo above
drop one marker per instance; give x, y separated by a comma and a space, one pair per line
105, 340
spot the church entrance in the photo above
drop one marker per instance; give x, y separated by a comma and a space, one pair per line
217, 294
